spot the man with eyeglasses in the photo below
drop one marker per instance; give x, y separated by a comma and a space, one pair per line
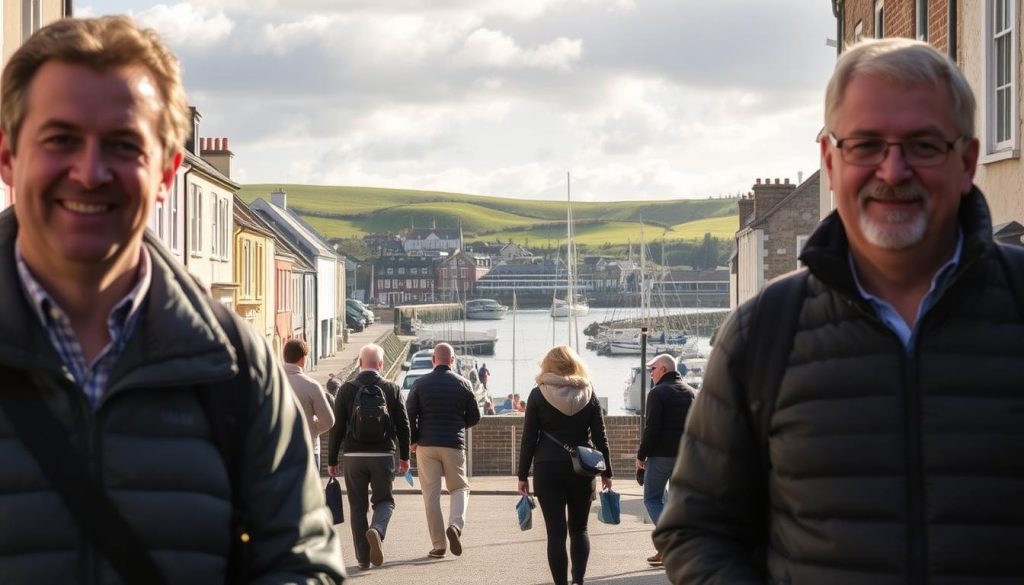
891, 447
667, 405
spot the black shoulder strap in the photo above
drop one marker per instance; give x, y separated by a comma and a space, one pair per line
1013, 261
567, 448
227, 410
62, 464
773, 325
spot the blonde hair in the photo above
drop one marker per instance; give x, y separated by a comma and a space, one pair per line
101, 43
906, 62
562, 360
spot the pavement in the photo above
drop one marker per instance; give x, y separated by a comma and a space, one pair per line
495, 551
349, 354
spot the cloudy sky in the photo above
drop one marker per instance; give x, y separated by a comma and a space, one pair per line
639, 99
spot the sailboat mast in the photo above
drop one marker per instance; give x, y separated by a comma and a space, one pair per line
515, 304
570, 254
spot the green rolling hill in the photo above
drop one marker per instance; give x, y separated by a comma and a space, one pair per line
352, 212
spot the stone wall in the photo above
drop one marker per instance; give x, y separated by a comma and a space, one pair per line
495, 444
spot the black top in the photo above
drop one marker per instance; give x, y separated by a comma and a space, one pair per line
586, 427
441, 407
343, 406
667, 406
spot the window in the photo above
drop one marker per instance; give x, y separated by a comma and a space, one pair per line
31, 17
401, 269
161, 227
247, 274
215, 231
858, 31
174, 216
225, 229
800, 242
195, 220
1000, 75
879, 19
921, 17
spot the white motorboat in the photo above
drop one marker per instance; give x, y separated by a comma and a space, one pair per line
631, 394
488, 309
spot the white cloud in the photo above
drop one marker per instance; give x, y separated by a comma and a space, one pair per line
184, 24
490, 48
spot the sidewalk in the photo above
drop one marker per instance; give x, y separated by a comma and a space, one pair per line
350, 353
495, 550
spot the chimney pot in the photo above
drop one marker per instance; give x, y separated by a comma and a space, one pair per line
776, 180
226, 147
787, 180
758, 181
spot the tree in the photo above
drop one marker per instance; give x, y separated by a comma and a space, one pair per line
705, 257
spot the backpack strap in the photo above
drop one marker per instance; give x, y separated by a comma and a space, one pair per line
769, 342
68, 474
1012, 258
227, 406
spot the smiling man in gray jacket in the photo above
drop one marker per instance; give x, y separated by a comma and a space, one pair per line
106, 338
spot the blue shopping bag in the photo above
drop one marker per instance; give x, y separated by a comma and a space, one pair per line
610, 507
524, 511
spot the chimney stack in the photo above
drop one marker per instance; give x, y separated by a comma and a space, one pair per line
769, 194
279, 198
215, 151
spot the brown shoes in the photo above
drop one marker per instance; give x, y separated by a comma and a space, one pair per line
376, 552
654, 561
454, 540
437, 553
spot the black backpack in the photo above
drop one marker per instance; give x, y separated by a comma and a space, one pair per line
370, 421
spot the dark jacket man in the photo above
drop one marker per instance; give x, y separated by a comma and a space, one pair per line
667, 406
891, 450
441, 406
342, 439
890, 456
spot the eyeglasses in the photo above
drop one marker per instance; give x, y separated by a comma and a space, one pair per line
926, 151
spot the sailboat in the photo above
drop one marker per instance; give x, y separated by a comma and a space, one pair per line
572, 306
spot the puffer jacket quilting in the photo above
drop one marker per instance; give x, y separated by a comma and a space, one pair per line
887, 466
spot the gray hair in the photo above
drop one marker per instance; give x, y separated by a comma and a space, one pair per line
666, 359
906, 62
370, 355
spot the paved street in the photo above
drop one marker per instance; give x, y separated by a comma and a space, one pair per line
496, 551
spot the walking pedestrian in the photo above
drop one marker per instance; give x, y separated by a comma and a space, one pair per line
484, 375
441, 406
316, 409
667, 406
108, 344
371, 419
889, 449
563, 404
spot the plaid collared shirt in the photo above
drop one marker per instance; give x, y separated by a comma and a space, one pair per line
121, 323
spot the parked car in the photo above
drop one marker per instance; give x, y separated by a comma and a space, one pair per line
355, 321
360, 307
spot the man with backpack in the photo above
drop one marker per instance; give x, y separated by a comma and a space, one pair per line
369, 420
441, 407
884, 444
148, 435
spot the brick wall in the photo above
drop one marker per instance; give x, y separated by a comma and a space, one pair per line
900, 20
495, 443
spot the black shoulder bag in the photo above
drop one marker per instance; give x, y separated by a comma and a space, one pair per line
586, 461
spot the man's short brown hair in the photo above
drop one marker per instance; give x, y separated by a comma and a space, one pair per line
295, 350
101, 43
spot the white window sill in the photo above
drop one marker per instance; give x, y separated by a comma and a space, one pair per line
1010, 153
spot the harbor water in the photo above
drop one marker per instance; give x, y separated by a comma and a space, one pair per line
534, 333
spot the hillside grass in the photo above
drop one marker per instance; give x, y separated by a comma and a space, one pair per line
351, 212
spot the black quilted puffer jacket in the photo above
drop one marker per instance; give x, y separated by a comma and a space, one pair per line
887, 466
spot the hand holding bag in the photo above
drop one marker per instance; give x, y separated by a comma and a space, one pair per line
610, 509
585, 460
332, 494
524, 511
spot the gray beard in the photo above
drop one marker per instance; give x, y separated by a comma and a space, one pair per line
899, 229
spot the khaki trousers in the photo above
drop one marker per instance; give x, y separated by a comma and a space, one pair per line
432, 463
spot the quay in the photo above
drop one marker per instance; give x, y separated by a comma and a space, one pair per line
495, 550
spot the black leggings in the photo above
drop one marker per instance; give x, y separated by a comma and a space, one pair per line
562, 492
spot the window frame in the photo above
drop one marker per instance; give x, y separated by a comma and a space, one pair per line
921, 19
879, 13
1001, 105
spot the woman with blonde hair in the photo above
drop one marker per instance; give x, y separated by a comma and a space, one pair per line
563, 405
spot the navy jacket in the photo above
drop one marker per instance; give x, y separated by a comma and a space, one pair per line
344, 405
667, 405
441, 406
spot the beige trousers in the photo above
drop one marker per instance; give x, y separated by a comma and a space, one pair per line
432, 463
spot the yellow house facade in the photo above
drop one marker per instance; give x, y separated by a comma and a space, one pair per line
255, 252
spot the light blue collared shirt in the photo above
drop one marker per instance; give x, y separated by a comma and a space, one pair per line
890, 316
